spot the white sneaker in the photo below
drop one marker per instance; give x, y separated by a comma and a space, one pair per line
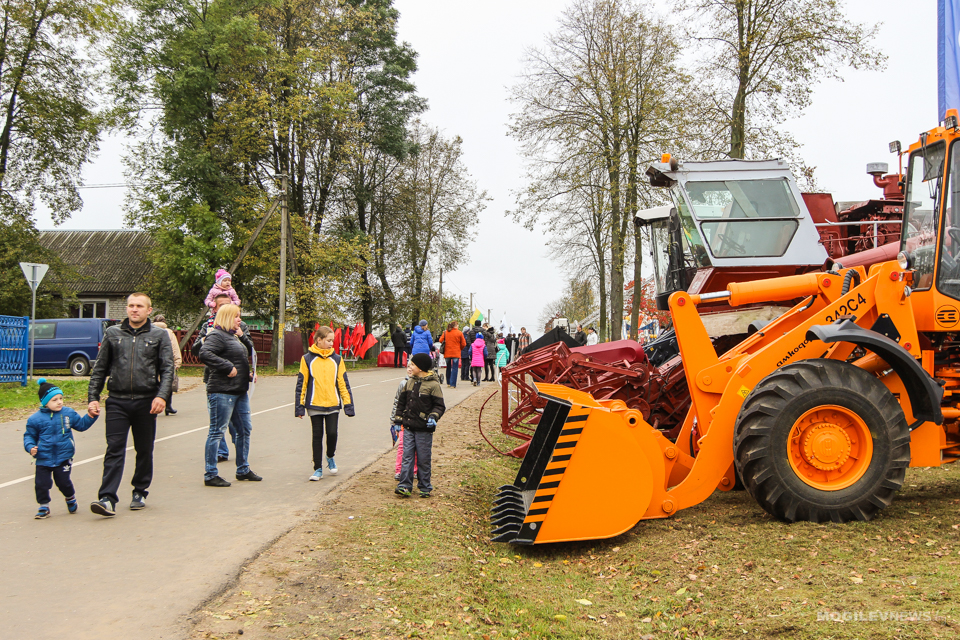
331, 466
317, 475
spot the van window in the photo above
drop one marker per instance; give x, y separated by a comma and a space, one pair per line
45, 330
78, 329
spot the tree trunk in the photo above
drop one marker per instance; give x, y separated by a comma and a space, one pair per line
616, 245
637, 284
738, 117
632, 200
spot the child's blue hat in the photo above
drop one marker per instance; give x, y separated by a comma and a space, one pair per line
423, 323
47, 391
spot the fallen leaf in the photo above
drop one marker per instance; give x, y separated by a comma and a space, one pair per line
647, 620
560, 617
681, 591
584, 602
856, 580
621, 614
428, 623
538, 564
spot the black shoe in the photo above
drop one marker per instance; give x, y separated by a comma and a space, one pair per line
424, 494
249, 475
170, 412
216, 481
222, 458
103, 507
138, 501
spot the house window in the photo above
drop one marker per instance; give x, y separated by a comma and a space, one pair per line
90, 309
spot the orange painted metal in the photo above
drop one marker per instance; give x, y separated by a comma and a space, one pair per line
829, 447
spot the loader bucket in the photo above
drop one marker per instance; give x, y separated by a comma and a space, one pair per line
585, 475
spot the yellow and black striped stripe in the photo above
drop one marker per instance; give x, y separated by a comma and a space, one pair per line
552, 475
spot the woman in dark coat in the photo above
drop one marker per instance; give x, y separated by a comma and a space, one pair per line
226, 352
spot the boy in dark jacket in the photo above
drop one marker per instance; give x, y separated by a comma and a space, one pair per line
419, 407
49, 438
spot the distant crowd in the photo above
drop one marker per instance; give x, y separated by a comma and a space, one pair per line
472, 352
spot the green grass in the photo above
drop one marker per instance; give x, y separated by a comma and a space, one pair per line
721, 569
13, 396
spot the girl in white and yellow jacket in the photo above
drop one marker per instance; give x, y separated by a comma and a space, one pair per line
322, 390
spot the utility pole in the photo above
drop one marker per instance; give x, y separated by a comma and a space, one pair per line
441, 297
283, 271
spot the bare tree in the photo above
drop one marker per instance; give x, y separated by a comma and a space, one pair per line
765, 57
606, 90
436, 206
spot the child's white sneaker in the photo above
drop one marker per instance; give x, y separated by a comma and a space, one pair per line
332, 466
317, 475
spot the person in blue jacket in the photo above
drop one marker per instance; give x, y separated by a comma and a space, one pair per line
49, 438
421, 341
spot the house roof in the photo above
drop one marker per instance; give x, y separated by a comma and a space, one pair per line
109, 262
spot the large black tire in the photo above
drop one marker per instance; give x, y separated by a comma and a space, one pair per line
770, 412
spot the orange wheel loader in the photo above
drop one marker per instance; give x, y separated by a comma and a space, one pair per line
818, 413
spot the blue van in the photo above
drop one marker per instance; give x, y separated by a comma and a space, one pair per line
68, 343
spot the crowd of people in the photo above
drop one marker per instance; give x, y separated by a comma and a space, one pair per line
467, 353
138, 363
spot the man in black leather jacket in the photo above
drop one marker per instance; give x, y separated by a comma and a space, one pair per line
139, 362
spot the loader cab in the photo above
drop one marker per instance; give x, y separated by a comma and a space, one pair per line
740, 217
930, 241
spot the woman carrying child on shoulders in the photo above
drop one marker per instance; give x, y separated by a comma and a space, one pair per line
226, 352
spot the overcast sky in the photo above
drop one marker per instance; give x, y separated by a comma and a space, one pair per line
470, 54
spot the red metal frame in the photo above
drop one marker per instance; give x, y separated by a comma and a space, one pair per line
611, 371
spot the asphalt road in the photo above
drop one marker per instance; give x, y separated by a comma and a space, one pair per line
139, 574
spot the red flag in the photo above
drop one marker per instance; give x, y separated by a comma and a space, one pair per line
336, 341
357, 338
369, 342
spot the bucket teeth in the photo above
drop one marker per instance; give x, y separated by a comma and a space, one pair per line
496, 511
506, 533
506, 517
518, 501
508, 491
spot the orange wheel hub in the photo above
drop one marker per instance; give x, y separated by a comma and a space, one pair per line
830, 447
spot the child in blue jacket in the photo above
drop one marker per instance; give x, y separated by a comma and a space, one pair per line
49, 439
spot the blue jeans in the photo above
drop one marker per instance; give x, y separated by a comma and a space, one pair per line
417, 446
453, 367
222, 407
224, 450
